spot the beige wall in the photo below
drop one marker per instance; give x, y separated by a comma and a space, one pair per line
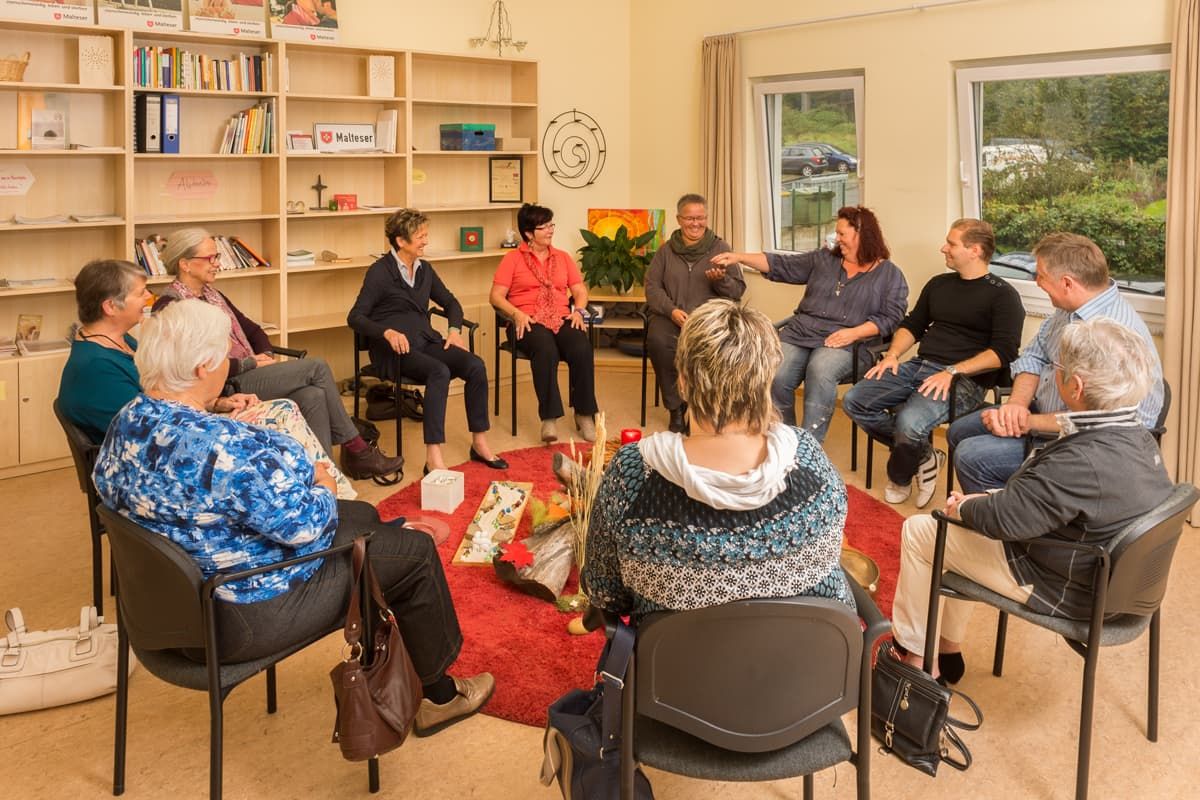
584, 61
908, 59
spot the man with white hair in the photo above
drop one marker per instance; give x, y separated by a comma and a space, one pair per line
1103, 472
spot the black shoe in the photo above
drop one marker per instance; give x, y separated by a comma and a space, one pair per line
370, 463
495, 463
425, 471
678, 423
951, 666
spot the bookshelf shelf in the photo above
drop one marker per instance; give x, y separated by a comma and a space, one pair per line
359, 262
317, 155
204, 92
293, 97
82, 152
222, 276
313, 215
61, 226
22, 86
59, 287
317, 322
192, 156
472, 153
442, 102
199, 218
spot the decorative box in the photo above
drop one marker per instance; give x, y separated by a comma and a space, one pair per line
468, 136
346, 202
442, 490
513, 144
470, 240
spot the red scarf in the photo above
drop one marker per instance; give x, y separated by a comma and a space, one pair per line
545, 311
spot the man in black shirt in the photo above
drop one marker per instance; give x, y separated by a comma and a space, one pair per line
968, 323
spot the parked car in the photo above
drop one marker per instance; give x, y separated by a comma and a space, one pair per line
838, 159
1015, 264
800, 159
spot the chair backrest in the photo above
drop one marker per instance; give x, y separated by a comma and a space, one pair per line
83, 451
752, 675
1160, 424
160, 586
1141, 555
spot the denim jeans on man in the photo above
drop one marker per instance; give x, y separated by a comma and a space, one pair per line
983, 461
820, 369
891, 410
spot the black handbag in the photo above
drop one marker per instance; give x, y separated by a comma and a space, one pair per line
910, 715
583, 732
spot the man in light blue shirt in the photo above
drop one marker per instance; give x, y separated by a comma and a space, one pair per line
990, 445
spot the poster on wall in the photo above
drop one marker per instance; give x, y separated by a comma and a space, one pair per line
606, 221
161, 15
69, 12
304, 20
228, 17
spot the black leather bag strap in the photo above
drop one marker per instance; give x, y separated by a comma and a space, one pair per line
966, 726
612, 678
952, 738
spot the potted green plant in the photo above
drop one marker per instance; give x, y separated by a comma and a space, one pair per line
619, 262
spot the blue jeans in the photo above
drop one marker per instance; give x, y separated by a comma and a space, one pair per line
820, 369
982, 460
891, 410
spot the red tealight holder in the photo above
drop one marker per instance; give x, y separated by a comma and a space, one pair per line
630, 435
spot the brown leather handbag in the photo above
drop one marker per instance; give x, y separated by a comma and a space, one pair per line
376, 701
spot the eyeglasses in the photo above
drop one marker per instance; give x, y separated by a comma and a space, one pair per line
213, 259
693, 220
549, 226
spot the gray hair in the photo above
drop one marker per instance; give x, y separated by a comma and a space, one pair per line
182, 244
1074, 255
101, 280
727, 356
690, 199
1114, 363
183, 336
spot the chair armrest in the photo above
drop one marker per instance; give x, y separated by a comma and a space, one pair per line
220, 579
290, 352
877, 625
1041, 541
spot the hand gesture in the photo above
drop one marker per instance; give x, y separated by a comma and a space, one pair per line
263, 359
1008, 420
723, 260
888, 362
840, 338
936, 386
577, 322
522, 324
454, 339
397, 340
679, 316
716, 272
323, 478
955, 500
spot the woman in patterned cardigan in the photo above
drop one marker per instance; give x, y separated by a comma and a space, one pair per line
743, 507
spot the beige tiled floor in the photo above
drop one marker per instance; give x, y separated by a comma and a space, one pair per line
1026, 748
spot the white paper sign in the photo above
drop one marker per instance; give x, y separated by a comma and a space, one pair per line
244, 18
331, 138
68, 12
15, 179
123, 15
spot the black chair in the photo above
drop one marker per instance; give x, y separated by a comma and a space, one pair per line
165, 605
509, 344
1128, 588
83, 453
363, 343
1002, 386
752, 690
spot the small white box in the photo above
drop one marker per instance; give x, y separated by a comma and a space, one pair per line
442, 490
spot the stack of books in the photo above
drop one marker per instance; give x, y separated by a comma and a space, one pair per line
300, 258
8, 347
251, 131
172, 68
149, 256
33, 347
236, 254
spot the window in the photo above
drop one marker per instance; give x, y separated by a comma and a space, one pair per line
810, 149
1079, 146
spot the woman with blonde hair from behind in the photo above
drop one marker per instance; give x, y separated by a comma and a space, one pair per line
742, 507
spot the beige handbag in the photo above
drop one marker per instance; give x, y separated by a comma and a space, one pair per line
52, 668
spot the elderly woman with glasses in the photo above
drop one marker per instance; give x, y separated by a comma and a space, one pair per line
532, 288
853, 292
237, 496
680, 279
742, 507
1101, 474
192, 257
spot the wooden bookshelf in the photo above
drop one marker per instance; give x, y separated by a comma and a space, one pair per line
246, 195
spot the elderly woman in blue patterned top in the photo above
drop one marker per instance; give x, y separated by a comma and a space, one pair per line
237, 496
853, 292
743, 507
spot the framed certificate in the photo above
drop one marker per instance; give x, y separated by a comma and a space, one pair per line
507, 181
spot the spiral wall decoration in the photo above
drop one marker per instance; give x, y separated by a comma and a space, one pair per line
573, 149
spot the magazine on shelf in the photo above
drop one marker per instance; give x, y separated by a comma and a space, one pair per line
33, 348
159, 15
228, 17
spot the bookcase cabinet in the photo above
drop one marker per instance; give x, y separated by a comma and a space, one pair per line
248, 196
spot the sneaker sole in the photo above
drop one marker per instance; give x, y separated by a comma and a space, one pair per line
441, 726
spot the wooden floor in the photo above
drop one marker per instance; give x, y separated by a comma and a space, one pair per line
1026, 748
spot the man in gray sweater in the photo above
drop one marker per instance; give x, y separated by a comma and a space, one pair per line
1103, 472
682, 278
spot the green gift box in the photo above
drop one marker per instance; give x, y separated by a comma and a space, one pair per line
470, 240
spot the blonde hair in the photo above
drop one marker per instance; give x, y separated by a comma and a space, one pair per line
1114, 363
182, 244
727, 356
184, 335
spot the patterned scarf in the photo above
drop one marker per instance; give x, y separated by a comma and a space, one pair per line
545, 311
239, 345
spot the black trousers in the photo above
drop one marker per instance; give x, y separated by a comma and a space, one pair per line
662, 335
410, 574
435, 367
545, 349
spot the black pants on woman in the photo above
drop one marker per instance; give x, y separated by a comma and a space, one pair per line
410, 574
434, 366
545, 349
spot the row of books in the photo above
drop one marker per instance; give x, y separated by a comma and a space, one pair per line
235, 254
172, 68
250, 131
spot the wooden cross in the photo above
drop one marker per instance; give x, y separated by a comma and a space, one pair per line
320, 187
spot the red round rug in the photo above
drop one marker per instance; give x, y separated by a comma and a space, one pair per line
523, 641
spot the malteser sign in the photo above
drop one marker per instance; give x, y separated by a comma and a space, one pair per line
344, 138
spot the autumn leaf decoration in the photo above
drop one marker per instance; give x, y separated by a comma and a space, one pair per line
517, 554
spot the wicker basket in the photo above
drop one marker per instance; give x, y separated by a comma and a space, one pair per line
13, 69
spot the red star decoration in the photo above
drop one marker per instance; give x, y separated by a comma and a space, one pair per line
517, 554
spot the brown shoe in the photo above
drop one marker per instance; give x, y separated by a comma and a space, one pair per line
473, 693
370, 463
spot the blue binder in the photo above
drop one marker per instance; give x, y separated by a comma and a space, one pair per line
170, 123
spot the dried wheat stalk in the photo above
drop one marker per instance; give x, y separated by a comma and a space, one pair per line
583, 486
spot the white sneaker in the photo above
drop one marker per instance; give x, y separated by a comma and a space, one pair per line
895, 494
927, 477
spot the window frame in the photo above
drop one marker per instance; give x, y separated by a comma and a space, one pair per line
771, 163
968, 81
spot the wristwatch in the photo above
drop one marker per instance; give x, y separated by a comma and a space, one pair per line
953, 370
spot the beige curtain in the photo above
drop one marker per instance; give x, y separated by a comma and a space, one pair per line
720, 139
1182, 365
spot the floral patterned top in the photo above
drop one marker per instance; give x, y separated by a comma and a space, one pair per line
234, 496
